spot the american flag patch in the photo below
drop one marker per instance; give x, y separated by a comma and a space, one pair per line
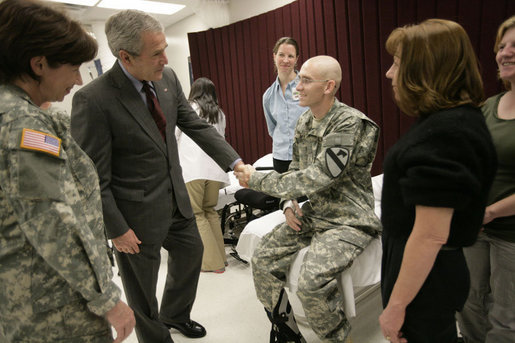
40, 141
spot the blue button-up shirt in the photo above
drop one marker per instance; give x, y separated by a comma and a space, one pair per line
281, 113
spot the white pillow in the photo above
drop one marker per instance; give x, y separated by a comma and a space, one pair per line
265, 161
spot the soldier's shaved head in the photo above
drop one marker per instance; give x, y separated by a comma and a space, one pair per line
326, 68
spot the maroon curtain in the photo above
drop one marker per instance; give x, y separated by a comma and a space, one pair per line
238, 57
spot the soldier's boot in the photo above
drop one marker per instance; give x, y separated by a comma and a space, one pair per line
284, 326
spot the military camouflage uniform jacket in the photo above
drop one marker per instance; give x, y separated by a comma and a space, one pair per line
331, 165
52, 244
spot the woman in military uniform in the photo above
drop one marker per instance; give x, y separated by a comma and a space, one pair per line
54, 267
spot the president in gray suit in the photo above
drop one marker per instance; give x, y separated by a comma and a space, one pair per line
127, 128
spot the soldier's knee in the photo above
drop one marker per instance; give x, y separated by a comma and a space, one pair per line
254, 261
261, 257
305, 288
312, 287
260, 265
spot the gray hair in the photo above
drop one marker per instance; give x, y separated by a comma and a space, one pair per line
124, 29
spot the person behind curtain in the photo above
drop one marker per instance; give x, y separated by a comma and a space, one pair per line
333, 152
125, 121
55, 273
281, 102
203, 177
489, 313
436, 181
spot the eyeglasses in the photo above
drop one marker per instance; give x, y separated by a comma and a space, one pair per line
307, 81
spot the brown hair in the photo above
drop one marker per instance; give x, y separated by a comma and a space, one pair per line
286, 40
505, 26
203, 92
438, 67
30, 28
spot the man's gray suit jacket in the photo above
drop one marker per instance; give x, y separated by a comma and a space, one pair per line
140, 175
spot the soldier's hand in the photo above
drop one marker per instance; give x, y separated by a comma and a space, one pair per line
243, 174
291, 216
127, 243
239, 170
121, 318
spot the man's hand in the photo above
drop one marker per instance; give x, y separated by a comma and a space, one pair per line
127, 243
243, 173
240, 166
291, 218
121, 318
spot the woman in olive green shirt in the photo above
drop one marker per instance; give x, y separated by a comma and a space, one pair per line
489, 313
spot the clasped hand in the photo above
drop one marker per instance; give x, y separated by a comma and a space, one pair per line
291, 214
243, 172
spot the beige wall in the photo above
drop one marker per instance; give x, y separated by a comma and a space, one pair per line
178, 49
105, 56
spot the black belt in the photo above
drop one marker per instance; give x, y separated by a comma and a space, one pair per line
448, 247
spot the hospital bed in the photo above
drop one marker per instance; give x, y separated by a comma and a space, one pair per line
356, 282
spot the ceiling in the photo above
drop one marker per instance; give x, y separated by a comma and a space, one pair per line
88, 15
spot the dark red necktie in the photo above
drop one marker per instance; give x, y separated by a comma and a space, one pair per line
155, 109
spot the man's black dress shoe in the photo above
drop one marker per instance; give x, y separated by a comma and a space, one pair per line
190, 329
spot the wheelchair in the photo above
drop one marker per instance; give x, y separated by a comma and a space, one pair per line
249, 205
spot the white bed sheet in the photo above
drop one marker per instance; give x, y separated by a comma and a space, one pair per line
365, 271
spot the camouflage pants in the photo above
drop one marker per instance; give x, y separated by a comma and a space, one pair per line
72, 323
327, 257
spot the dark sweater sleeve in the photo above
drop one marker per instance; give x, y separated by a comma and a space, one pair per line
444, 167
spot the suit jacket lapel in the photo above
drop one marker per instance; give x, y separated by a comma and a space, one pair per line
131, 100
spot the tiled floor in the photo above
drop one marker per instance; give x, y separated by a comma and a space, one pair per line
227, 306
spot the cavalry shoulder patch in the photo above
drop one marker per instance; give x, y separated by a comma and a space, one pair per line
336, 160
40, 141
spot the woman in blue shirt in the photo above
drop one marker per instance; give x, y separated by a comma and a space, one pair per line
281, 102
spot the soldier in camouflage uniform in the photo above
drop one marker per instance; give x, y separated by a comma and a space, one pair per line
54, 268
333, 151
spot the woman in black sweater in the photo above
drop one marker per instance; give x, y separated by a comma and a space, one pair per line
436, 181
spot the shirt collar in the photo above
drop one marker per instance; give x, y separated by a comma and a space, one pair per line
293, 83
137, 83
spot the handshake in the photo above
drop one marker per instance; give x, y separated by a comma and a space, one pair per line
243, 172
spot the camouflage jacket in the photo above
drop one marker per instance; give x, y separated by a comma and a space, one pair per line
331, 165
53, 248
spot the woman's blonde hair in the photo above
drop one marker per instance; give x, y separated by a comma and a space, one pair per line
505, 26
438, 67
